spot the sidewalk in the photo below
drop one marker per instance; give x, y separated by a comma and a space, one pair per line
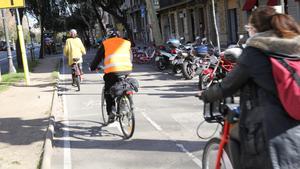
24, 117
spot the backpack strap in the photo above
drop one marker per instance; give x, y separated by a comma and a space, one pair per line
281, 58
290, 69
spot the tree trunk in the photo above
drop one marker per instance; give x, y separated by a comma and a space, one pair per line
155, 24
128, 29
99, 18
121, 19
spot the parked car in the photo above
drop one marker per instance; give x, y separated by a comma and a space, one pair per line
3, 46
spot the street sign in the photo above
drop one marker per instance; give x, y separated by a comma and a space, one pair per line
12, 3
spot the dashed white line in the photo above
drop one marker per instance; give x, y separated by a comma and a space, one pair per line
191, 155
155, 125
180, 146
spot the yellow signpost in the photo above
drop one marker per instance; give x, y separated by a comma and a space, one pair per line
18, 4
12, 3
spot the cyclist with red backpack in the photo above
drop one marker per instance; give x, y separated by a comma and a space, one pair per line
267, 75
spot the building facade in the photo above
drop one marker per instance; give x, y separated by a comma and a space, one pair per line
237, 12
139, 20
182, 18
191, 18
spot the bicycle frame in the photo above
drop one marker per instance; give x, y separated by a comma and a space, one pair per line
224, 141
225, 113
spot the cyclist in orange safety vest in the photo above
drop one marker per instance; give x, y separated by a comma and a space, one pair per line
115, 52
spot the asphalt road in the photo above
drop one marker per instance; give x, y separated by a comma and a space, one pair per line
167, 115
4, 60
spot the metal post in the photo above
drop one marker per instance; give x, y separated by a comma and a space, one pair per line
9, 55
22, 46
216, 27
282, 6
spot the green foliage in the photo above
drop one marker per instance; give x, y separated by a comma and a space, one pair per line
9, 79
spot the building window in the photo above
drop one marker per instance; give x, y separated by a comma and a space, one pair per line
172, 19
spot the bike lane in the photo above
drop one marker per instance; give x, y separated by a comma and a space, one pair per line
166, 114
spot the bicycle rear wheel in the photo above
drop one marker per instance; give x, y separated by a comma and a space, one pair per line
126, 119
210, 154
103, 108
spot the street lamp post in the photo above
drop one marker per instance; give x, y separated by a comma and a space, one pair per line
9, 55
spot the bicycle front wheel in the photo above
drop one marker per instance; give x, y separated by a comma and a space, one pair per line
126, 119
103, 108
210, 154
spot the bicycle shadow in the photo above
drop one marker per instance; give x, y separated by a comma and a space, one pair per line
77, 129
97, 136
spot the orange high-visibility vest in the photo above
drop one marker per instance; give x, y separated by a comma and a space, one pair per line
117, 55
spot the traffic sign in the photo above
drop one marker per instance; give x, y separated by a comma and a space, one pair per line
12, 3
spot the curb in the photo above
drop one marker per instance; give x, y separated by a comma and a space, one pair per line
48, 146
46, 157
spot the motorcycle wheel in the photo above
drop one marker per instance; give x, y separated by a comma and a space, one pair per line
204, 82
187, 70
160, 65
176, 69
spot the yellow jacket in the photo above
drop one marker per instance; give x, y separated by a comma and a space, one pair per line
74, 49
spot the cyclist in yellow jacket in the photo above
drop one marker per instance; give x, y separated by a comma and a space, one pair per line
115, 52
74, 48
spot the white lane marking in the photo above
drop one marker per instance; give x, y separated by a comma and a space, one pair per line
155, 125
180, 146
191, 155
67, 150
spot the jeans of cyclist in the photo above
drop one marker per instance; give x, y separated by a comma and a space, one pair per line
110, 79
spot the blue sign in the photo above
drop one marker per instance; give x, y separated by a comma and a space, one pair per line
143, 11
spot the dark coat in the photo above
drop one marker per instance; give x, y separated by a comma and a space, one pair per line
269, 137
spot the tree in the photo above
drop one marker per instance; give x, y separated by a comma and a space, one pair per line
49, 14
113, 7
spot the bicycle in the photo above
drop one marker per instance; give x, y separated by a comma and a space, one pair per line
124, 107
76, 73
143, 56
216, 153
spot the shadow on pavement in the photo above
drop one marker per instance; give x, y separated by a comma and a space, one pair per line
95, 136
16, 131
78, 131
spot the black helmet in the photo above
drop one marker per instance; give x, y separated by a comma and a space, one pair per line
112, 33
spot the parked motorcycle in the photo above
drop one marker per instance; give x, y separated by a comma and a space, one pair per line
196, 60
167, 54
162, 58
220, 65
181, 53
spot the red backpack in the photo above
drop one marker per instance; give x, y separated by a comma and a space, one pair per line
286, 73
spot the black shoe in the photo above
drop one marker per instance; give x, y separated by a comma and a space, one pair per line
111, 118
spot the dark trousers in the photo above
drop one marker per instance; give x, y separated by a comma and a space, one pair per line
110, 79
